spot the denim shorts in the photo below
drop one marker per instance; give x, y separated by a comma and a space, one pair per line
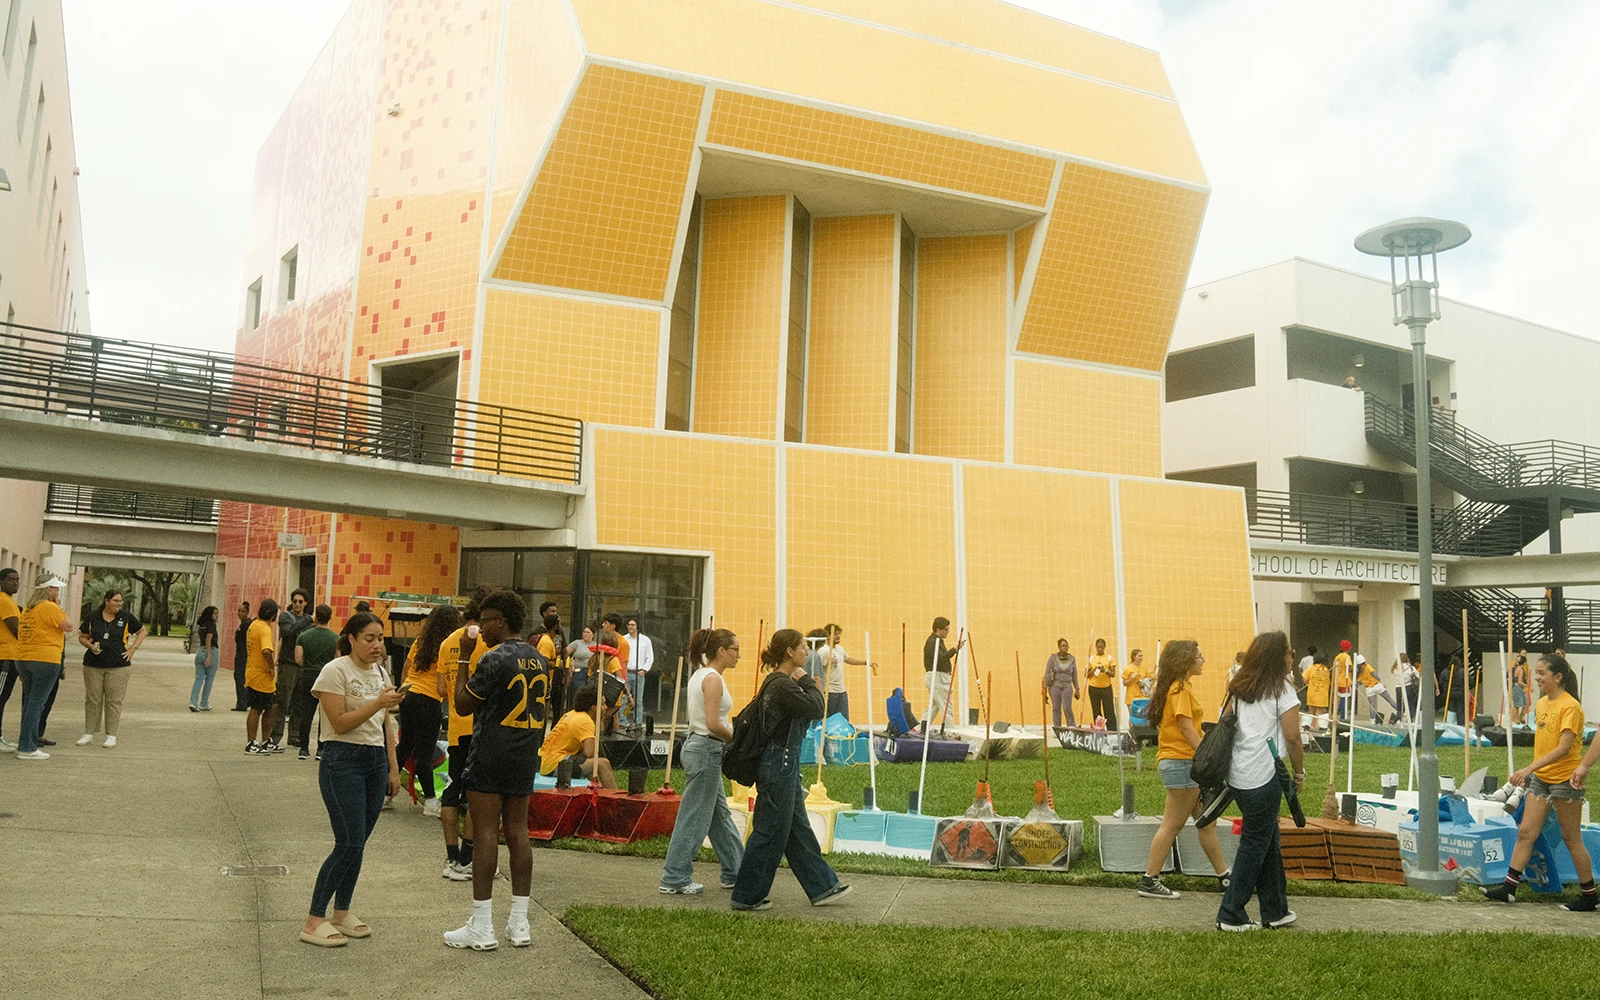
1560, 790
1175, 773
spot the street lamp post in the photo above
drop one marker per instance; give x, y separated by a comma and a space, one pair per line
1413, 246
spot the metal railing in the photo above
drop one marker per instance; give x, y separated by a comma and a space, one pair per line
1469, 530
220, 395
95, 501
1533, 622
1475, 461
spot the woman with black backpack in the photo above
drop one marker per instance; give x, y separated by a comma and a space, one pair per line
785, 707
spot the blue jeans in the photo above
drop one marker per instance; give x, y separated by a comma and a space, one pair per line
702, 810
636, 689
38, 681
205, 671
353, 778
1258, 867
780, 827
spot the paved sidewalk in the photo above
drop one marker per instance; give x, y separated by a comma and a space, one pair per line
112, 886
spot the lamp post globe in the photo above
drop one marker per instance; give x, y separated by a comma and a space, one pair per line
1413, 247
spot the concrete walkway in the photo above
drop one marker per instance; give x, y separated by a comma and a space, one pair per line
113, 884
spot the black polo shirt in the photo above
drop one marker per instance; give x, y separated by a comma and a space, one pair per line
113, 637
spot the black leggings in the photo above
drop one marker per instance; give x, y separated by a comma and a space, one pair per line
419, 737
1103, 703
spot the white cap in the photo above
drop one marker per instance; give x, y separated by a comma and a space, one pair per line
55, 581
1360, 659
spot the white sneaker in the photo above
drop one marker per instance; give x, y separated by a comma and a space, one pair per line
110, 742
388, 802
430, 807
85, 739
6, 744
36, 755
471, 936
457, 872
518, 932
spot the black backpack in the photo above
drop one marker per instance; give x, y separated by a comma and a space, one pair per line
741, 758
1214, 756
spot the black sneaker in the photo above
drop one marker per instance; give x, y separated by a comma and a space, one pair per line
1224, 880
252, 747
304, 754
271, 746
833, 895
1583, 904
1500, 894
1151, 888
41, 741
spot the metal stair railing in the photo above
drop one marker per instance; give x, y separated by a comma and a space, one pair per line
1309, 519
220, 395
98, 501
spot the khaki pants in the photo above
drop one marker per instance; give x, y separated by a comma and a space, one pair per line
938, 685
103, 691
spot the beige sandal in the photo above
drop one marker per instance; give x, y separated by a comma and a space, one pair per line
325, 936
353, 927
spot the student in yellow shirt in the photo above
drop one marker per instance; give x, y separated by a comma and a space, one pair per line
42, 630
10, 624
1102, 671
424, 701
1341, 676
1557, 753
573, 739
1136, 680
261, 679
1316, 677
458, 736
1175, 710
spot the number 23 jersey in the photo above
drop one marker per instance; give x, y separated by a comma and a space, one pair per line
513, 683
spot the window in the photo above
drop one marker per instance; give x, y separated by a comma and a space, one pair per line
13, 20
905, 347
27, 81
680, 346
287, 274
38, 215
794, 404
252, 306
1204, 371
38, 130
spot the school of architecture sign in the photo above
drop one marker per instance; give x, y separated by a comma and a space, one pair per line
1290, 562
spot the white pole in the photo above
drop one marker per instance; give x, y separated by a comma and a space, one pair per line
1350, 762
1505, 659
872, 756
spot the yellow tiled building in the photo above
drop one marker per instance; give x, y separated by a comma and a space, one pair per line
863, 302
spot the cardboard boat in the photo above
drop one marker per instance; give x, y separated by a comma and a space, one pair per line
908, 749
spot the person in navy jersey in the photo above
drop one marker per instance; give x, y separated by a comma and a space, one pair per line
509, 695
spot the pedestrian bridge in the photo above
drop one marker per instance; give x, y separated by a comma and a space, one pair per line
114, 414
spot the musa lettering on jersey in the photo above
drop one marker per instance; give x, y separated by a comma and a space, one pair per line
1342, 567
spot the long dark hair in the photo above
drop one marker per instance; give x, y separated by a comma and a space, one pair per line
1557, 664
208, 616
706, 643
778, 648
1264, 670
441, 621
353, 626
1177, 657
106, 598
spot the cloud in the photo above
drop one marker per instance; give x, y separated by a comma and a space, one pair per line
1314, 121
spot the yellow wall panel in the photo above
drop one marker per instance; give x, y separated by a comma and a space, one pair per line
603, 214
595, 361
740, 327
1186, 573
871, 545
1022, 245
855, 65
1086, 419
674, 491
850, 354
1039, 567
873, 147
542, 56
1114, 261
1008, 29
960, 396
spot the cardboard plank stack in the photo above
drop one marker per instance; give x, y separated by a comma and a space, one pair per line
1361, 853
1305, 851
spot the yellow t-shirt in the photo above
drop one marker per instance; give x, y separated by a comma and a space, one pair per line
423, 681
565, 740
1555, 716
449, 653
1180, 701
547, 649
9, 644
1102, 670
39, 635
1365, 677
1341, 671
259, 674
1317, 685
1133, 680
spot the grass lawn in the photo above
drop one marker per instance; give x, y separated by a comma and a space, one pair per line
699, 955
1084, 785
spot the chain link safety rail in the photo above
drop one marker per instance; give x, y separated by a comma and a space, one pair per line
215, 394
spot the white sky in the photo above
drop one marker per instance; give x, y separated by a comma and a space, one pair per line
1314, 121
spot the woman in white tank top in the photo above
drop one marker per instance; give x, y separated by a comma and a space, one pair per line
703, 809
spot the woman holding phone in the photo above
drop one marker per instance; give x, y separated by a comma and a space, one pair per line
358, 765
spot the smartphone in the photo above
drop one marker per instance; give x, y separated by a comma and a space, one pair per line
472, 631
404, 687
